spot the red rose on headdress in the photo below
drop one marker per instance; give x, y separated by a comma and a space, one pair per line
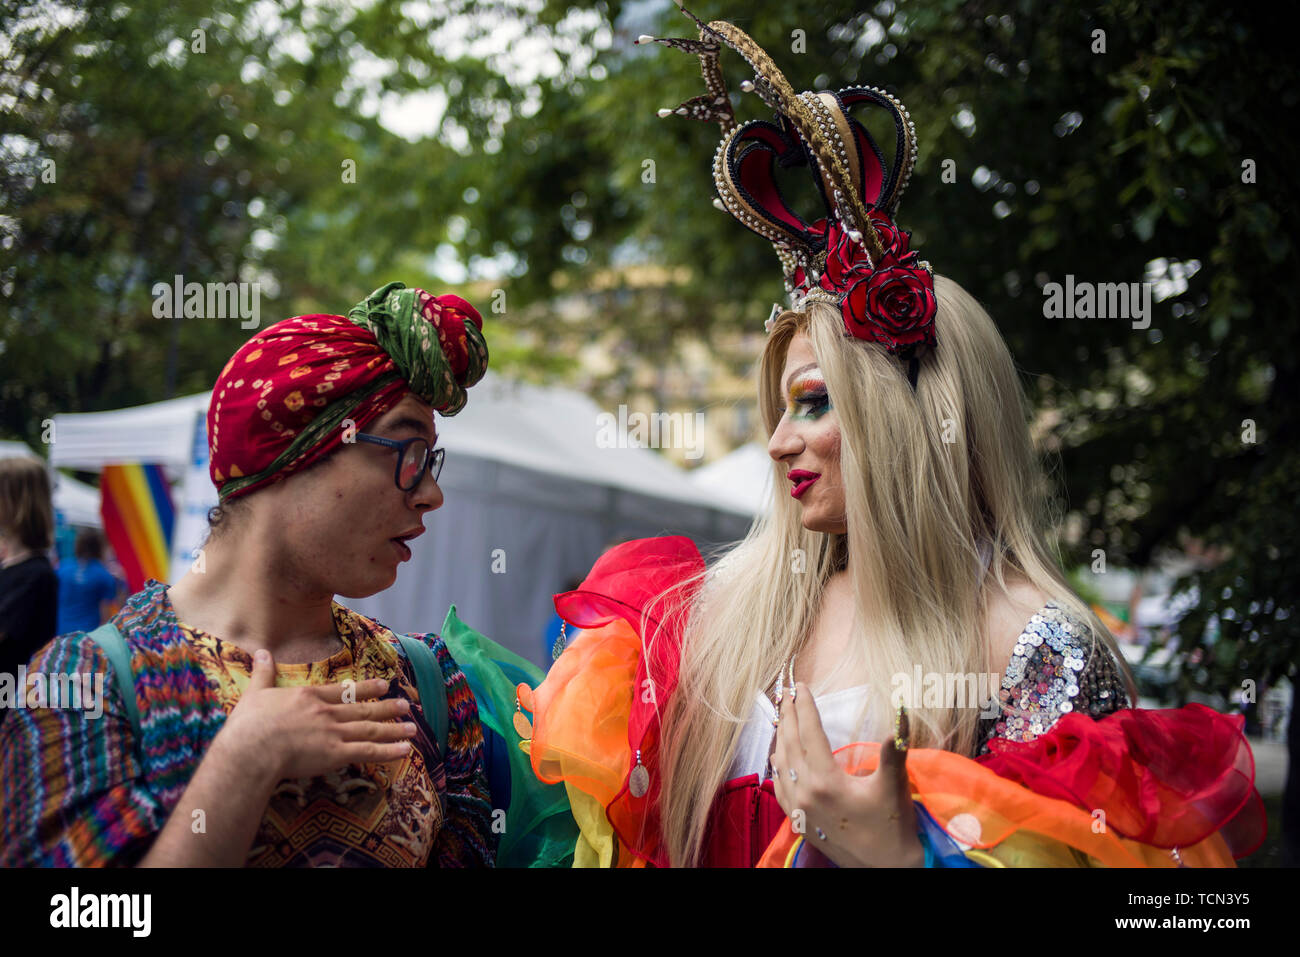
893, 306
847, 260
892, 239
893, 303
843, 258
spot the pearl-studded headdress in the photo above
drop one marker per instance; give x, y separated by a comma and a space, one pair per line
854, 258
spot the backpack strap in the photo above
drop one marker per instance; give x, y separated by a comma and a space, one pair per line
112, 643
430, 684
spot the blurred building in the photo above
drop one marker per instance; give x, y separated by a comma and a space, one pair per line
716, 378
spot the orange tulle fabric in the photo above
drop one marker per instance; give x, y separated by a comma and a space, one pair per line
580, 712
600, 703
1123, 791
580, 717
983, 810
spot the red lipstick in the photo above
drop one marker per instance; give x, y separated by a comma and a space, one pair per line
802, 481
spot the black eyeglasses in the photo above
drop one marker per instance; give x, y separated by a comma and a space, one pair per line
413, 457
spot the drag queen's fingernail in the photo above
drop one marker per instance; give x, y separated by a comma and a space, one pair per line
901, 729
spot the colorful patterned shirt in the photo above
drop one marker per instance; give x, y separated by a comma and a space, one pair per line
78, 793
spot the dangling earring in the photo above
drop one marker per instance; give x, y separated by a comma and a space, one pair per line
524, 728
638, 781
780, 690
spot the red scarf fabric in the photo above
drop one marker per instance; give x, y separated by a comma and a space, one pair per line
290, 394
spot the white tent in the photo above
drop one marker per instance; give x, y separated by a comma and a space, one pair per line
171, 433
160, 432
77, 501
532, 498
744, 476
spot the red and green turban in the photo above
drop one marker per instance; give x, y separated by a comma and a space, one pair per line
281, 402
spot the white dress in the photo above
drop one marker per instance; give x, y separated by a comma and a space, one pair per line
838, 710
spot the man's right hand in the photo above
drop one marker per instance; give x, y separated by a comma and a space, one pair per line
310, 730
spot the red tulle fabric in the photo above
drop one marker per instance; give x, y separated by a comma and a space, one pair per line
650, 584
1169, 778
1166, 778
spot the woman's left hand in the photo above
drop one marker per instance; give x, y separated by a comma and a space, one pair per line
866, 821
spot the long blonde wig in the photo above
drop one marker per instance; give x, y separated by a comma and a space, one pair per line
929, 476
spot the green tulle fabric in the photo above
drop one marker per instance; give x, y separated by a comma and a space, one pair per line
539, 827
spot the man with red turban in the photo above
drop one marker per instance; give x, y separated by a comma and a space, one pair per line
266, 724
286, 394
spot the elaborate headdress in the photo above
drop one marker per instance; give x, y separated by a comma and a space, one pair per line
855, 257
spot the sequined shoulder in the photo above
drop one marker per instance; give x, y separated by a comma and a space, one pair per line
1056, 667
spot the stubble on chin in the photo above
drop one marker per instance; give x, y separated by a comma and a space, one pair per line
368, 574
817, 518
303, 574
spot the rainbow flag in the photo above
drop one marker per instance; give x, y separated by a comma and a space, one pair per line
136, 505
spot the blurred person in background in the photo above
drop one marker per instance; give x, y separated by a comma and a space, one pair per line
87, 589
29, 589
